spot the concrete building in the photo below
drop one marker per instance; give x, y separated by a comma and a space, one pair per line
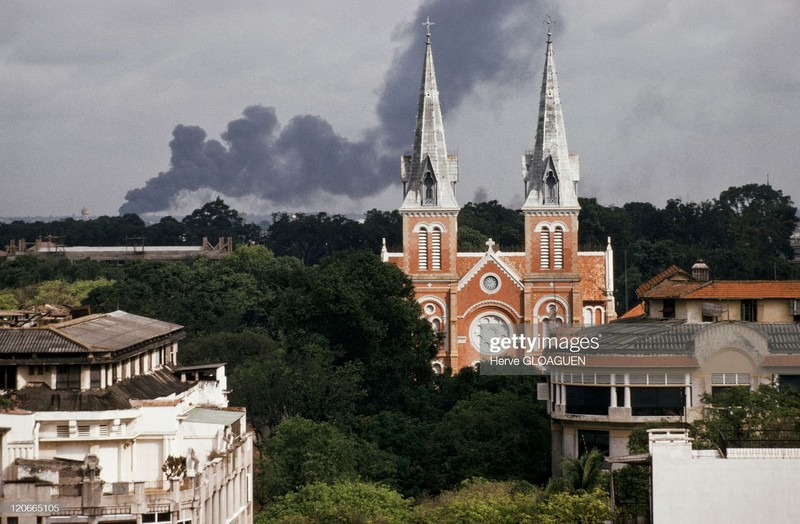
695, 297
136, 250
709, 486
548, 282
104, 426
693, 336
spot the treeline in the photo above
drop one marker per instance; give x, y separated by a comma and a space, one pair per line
215, 219
742, 234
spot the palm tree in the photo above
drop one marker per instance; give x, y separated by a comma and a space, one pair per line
583, 473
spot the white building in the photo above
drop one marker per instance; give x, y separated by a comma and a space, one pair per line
707, 486
99, 405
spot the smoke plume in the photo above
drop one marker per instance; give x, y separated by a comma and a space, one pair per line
476, 42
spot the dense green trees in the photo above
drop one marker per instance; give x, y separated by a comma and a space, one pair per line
764, 417
213, 220
477, 222
475, 501
343, 501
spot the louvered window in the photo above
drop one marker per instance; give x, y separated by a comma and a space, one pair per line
436, 249
558, 248
423, 249
544, 249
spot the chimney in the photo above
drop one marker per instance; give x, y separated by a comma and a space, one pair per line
700, 271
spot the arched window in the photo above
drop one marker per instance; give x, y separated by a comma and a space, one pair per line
551, 193
430, 189
544, 248
436, 249
558, 248
423, 249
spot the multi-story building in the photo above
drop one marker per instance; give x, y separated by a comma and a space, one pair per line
549, 282
101, 425
692, 336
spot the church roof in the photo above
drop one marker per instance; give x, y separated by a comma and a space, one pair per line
429, 153
491, 255
550, 145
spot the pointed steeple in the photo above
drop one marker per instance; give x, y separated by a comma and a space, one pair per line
551, 174
429, 174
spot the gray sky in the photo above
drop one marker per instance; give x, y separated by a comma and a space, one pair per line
662, 100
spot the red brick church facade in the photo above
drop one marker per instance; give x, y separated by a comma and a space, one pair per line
550, 283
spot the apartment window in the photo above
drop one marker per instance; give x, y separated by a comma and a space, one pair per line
668, 309
94, 377
589, 439
789, 381
657, 402
68, 377
157, 517
8, 377
749, 311
36, 371
587, 400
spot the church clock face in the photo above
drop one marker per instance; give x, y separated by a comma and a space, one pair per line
490, 283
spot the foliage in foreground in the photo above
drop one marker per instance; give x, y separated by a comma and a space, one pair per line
346, 501
475, 501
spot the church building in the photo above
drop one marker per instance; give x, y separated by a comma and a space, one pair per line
549, 284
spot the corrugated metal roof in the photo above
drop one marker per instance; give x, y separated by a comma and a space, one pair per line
213, 416
156, 385
15, 341
675, 337
115, 331
107, 332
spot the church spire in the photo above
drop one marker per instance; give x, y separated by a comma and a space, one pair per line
429, 174
550, 173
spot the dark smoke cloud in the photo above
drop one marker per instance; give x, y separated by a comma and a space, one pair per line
474, 42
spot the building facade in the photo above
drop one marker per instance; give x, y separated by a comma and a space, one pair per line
741, 484
692, 336
102, 425
550, 282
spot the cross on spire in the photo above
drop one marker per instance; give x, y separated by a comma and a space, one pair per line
490, 243
549, 23
427, 23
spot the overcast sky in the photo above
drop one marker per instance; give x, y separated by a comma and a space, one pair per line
679, 99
